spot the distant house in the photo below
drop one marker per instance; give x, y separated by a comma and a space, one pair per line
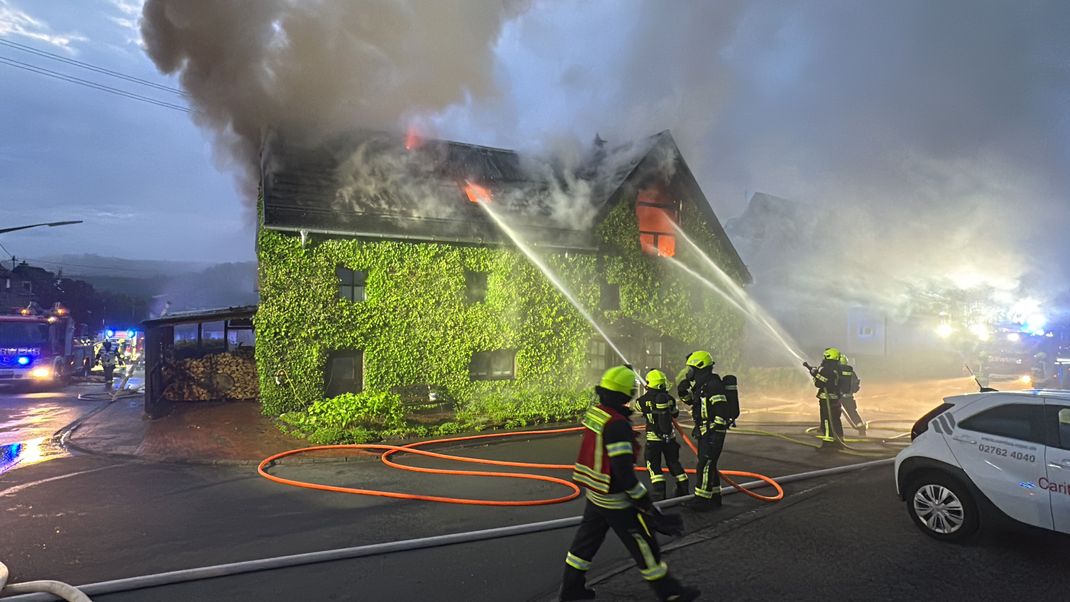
15, 292
378, 272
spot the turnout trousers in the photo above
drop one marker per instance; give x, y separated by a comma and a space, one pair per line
831, 426
850, 408
633, 532
709, 446
654, 452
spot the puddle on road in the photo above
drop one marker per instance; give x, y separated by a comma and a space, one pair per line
27, 453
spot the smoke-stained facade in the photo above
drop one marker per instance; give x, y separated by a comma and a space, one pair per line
413, 288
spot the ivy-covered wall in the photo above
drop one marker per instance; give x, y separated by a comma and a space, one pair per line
416, 325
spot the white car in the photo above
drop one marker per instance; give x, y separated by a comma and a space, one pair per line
987, 457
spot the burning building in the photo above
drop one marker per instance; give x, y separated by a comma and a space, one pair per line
380, 271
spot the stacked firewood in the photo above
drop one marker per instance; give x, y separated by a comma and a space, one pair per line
230, 375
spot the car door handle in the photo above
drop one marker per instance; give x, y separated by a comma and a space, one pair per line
963, 439
1060, 464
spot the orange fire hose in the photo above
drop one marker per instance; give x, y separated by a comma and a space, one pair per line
412, 448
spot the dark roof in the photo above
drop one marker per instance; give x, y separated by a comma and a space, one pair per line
203, 315
368, 185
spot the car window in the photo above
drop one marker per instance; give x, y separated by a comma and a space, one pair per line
1016, 421
1064, 428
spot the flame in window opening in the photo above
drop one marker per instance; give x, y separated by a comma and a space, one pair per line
476, 193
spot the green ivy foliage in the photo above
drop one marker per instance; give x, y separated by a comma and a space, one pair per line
416, 325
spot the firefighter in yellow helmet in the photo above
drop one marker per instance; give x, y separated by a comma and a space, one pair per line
827, 380
713, 414
659, 409
616, 499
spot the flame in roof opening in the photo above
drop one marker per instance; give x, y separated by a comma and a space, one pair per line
413, 138
476, 193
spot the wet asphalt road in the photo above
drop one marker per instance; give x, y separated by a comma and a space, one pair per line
28, 418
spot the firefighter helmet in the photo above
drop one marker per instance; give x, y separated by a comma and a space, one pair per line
620, 379
833, 354
700, 359
656, 379
843, 360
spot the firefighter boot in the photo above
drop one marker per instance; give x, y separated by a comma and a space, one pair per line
659, 491
682, 489
668, 589
574, 586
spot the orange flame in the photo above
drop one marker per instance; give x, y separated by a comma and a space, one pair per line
476, 193
413, 139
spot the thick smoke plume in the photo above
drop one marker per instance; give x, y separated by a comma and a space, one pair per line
313, 68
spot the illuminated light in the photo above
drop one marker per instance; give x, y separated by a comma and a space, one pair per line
24, 360
110, 333
1026, 379
476, 193
944, 330
52, 319
413, 138
24, 311
980, 331
41, 372
129, 334
1014, 337
1036, 323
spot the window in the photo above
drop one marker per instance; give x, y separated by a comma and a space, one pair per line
240, 334
1015, 421
657, 217
185, 340
345, 372
212, 337
350, 283
475, 286
596, 357
654, 355
493, 365
1059, 418
610, 297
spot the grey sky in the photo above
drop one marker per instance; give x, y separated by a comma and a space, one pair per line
140, 176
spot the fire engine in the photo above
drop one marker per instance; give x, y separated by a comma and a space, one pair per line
40, 347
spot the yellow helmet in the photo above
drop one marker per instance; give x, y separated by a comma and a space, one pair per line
843, 360
656, 379
700, 359
620, 379
833, 354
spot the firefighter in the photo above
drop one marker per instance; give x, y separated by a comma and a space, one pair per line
827, 380
107, 358
712, 415
615, 497
659, 409
849, 385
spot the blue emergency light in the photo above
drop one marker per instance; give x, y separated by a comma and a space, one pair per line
110, 333
129, 334
24, 360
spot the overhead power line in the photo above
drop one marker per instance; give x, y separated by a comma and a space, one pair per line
91, 84
92, 67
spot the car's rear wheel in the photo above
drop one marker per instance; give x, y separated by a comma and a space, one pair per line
942, 507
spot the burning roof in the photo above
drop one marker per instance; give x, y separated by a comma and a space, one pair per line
373, 185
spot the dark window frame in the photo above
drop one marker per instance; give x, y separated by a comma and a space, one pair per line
1036, 423
334, 387
352, 284
672, 208
476, 285
609, 297
491, 365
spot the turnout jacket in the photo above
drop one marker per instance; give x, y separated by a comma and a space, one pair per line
849, 382
605, 465
709, 403
659, 408
827, 380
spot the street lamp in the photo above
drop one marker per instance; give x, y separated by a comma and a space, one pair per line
49, 224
